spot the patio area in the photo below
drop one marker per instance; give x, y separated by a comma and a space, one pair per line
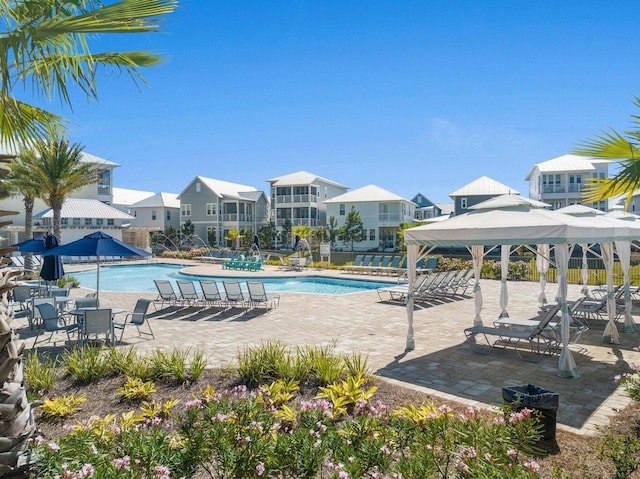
442, 364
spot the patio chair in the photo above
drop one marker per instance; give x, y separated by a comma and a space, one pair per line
188, 293
234, 293
21, 297
258, 295
96, 322
541, 339
87, 303
373, 266
357, 263
392, 265
166, 293
52, 322
211, 293
366, 262
137, 318
35, 320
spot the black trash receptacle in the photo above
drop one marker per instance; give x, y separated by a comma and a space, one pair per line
538, 399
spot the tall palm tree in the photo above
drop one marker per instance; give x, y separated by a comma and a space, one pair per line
612, 145
59, 172
44, 47
20, 181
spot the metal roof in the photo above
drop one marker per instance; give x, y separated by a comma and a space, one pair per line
566, 163
223, 189
301, 178
125, 196
85, 208
484, 186
367, 193
159, 200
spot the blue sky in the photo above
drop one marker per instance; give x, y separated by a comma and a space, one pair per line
421, 96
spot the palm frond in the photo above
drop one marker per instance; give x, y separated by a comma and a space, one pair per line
20, 122
127, 16
608, 146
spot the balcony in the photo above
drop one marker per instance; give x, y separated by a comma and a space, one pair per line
298, 222
281, 199
237, 217
389, 217
553, 189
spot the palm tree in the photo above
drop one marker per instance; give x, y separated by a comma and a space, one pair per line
45, 48
234, 236
59, 172
20, 181
614, 146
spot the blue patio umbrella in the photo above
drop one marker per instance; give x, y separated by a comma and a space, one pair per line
97, 244
32, 245
52, 269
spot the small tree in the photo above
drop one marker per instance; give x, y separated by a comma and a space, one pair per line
267, 235
187, 230
353, 229
332, 230
285, 236
319, 235
234, 236
403, 226
247, 238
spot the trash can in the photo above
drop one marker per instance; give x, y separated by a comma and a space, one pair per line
536, 398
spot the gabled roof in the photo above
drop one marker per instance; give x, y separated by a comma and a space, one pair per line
253, 195
566, 163
301, 178
425, 202
125, 196
484, 186
446, 208
365, 194
159, 200
223, 189
84, 208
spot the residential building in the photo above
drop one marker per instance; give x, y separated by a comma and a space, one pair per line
80, 217
425, 208
123, 198
478, 191
559, 181
381, 213
300, 197
101, 190
152, 214
215, 207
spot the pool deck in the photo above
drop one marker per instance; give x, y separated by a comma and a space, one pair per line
441, 364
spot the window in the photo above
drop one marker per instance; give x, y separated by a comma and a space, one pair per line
153, 215
211, 209
135, 213
372, 234
64, 221
185, 210
168, 215
76, 221
88, 222
110, 222
99, 221
464, 203
198, 186
342, 209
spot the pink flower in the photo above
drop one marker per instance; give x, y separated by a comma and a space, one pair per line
532, 466
343, 475
122, 463
53, 446
260, 468
512, 453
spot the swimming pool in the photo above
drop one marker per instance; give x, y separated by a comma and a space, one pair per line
140, 278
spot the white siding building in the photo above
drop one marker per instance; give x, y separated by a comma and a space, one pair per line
381, 213
559, 181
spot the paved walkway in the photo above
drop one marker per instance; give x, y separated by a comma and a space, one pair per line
442, 363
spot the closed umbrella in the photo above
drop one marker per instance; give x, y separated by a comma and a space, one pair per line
52, 269
97, 244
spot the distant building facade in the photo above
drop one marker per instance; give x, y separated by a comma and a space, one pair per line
425, 208
560, 181
477, 191
381, 212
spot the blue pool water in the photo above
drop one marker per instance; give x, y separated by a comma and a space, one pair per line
140, 278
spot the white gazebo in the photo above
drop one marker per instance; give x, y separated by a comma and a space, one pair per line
515, 223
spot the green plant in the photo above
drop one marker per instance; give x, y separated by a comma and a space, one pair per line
41, 374
326, 366
355, 364
172, 364
61, 406
278, 392
623, 452
198, 364
67, 279
258, 365
127, 362
135, 389
345, 394
86, 364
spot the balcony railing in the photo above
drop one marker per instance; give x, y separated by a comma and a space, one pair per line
298, 222
237, 217
389, 217
280, 199
575, 188
553, 189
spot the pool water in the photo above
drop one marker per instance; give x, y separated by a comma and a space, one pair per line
140, 278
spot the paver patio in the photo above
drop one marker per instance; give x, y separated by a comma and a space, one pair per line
442, 363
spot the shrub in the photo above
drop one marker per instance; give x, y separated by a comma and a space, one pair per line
41, 375
86, 364
135, 389
61, 406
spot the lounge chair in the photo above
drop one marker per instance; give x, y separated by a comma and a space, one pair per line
373, 267
392, 265
234, 293
399, 292
52, 322
541, 339
188, 293
357, 263
428, 265
211, 294
366, 261
166, 293
137, 318
258, 295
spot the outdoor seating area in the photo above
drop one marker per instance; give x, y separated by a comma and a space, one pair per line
388, 264
431, 286
243, 263
209, 295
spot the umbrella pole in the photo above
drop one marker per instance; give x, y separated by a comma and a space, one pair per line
98, 281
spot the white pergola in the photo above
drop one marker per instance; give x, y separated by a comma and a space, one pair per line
518, 222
